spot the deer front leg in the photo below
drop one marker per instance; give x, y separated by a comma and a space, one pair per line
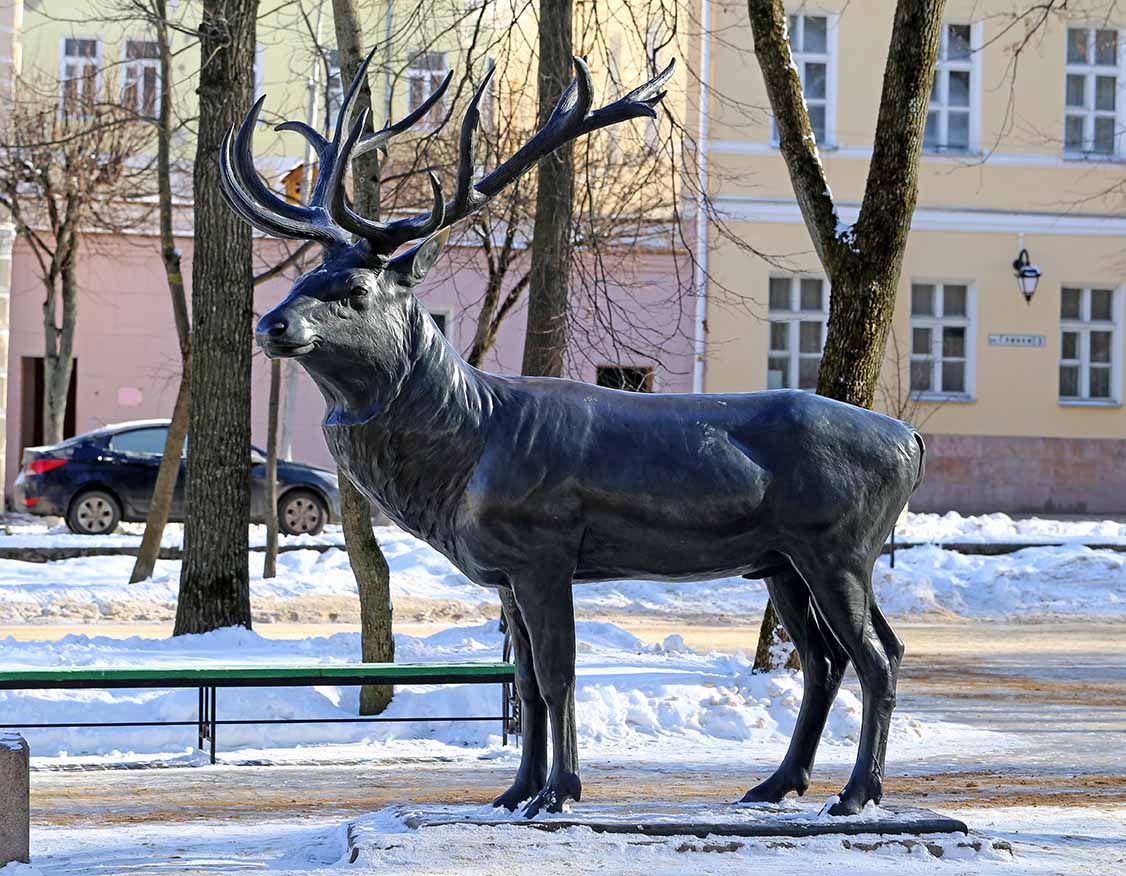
547, 607
531, 775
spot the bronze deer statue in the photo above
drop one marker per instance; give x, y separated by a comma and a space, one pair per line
529, 485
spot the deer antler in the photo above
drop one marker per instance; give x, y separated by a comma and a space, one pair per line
329, 219
570, 120
253, 200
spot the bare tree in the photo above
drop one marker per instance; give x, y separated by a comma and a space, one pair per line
545, 339
155, 14
373, 576
69, 166
863, 260
214, 576
270, 562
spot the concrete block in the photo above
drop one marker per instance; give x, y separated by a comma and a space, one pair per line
15, 799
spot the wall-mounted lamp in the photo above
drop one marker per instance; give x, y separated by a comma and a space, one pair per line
1027, 274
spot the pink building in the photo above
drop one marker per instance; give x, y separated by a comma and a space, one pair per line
127, 361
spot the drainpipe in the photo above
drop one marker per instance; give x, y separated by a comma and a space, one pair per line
699, 339
292, 370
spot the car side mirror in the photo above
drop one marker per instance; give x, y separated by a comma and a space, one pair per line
256, 458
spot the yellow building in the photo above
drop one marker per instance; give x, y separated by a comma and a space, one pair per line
1022, 402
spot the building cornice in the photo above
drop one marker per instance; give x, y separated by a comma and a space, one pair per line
991, 159
928, 218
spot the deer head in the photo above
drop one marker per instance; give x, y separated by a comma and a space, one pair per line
353, 308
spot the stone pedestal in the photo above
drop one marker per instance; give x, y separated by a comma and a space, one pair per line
15, 800
790, 819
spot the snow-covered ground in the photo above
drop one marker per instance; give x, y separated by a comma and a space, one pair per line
1022, 841
25, 530
1068, 579
631, 698
638, 703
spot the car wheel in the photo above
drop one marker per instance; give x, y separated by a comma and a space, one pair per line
301, 512
94, 512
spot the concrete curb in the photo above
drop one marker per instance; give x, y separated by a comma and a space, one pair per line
15, 810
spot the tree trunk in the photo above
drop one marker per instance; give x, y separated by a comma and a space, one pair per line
545, 340
863, 262
373, 580
166, 477
58, 359
214, 577
865, 275
772, 638
169, 472
270, 563
377, 642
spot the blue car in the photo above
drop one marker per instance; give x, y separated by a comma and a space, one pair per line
102, 477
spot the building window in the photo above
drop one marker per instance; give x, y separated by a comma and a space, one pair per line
952, 117
141, 89
629, 378
941, 339
810, 46
1088, 341
1091, 103
799, 308
80, 75
425, 73
439, 320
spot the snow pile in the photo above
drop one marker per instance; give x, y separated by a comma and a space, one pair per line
26, 531
630, 696
1064, 580
953, 527
1067, 579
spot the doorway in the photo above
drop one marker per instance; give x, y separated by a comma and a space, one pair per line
31, 402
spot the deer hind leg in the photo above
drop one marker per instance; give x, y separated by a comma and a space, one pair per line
893, 648
823, 664
842, 593
531, 775
547, 606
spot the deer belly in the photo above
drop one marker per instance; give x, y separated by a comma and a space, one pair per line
681, 550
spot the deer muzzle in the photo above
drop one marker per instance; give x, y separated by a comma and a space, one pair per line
284, 335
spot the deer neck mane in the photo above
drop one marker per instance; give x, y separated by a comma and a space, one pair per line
412, 443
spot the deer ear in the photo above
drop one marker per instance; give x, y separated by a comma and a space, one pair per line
413, 265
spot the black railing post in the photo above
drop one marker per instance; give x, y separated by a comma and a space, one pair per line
214, 703
201, 712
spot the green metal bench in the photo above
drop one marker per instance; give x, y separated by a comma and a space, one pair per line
208, 679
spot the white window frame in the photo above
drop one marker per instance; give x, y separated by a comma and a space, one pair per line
936, 323
64, 59
793, 318
944, 66
426, 76
1090, 72
1084, 326
137, 67
829, 60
